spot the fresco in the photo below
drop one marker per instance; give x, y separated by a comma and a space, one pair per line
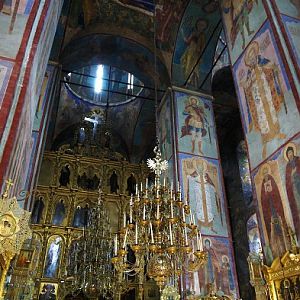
242, 19
196, 28
293, 30
289, 7
218, 274
13, 20
276, 185
5, 72
268, 108
253, 235
195, 125
201, 184
165, 128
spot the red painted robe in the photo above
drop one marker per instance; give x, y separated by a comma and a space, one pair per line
292, 175
273, 215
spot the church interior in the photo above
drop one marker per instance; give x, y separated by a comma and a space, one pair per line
150, 149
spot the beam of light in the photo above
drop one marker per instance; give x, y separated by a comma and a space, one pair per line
99, 79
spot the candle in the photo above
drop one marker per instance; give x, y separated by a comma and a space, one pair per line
141, 186
157, 212
171, 235
185, 236
172, 213
136, 189
124, 219
157, 193
116, 245
130, 215
125, 238
164, 181
200, 241
144, 212
151, 232
183, 214
147, 187
136, 233
171, 189
197, 240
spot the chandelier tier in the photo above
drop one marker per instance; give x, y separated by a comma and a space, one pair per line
160, 230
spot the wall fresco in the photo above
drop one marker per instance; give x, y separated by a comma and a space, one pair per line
268, 107
277, 184
12, 29
165, 126
195, 125
292, 27
193, 57
217, 275
242, 19
5, 72
201, 184
289, 7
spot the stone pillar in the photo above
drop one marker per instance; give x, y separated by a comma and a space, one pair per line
263, 42
188, 135
27, 30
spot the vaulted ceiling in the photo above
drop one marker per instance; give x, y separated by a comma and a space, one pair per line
120, 33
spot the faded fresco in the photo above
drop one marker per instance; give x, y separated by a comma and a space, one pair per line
165, 128
201, 183
217, 275
5, 72
289, 7
268, 107
242, 19
292, 26
276, 181
253, 235
13, 20
192, 57
195, 125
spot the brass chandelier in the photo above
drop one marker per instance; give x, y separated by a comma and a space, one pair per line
90, 259
160, 231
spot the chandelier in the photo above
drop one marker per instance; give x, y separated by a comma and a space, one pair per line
160, 231
90, 257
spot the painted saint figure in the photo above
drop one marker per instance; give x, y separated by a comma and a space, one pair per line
53, 257
37, 211
292, 175
59, 214
64, 179
113, 181
239, 14
195, 43
273, 213
264, 95
194, 123
227, 276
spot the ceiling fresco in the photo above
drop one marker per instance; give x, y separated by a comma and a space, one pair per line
196, 43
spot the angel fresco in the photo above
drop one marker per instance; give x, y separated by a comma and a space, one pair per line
264, 94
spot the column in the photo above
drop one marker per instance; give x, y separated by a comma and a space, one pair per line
196, 165
263, 42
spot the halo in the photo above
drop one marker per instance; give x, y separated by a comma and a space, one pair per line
207, 239
191, 98
289, 145
252, 47
225, 256
265, 166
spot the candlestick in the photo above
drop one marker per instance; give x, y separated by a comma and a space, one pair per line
125, 238
151, 233
171, 235
136, 233
116, 245
124, 219
157, 212
183, 214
